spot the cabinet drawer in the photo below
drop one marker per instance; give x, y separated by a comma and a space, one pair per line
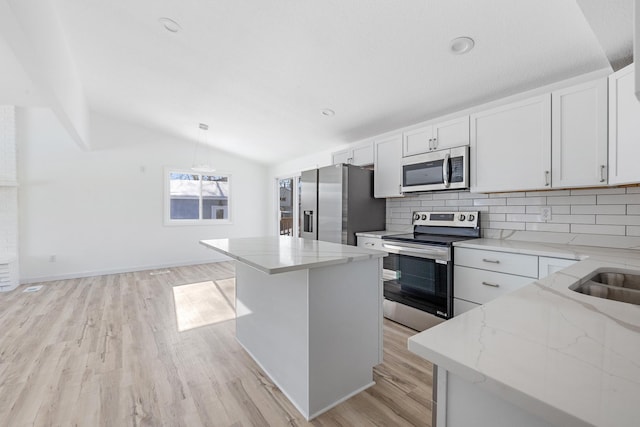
503, 262
370, 242
481, 286
460, 306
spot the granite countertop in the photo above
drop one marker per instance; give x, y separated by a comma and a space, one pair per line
279, 254
572, 359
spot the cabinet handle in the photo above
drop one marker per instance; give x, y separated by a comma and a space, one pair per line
602, 177
493, 261
493, 285
546, 178
435, 143
368, 244
430, 143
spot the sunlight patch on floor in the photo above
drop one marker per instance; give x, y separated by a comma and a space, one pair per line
204, 303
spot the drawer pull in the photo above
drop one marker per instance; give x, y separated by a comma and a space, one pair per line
368, 244
493, 285
493, 261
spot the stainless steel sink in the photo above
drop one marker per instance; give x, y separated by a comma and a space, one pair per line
617, 285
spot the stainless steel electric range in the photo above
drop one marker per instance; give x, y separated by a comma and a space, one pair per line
418, 285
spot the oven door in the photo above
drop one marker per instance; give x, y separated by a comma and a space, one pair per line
421, 283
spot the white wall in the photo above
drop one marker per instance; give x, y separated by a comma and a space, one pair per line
101, 211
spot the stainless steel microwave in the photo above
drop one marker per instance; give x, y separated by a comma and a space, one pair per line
437, 170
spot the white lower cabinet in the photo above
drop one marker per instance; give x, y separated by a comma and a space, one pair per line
501, 262
370, 242
482, 286
482, 275
547, 265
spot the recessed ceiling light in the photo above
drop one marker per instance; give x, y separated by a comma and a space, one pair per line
170, 25
461, 45
328, 112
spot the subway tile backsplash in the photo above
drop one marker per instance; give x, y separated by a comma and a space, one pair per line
607, 217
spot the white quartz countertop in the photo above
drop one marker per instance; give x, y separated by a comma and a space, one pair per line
570, 358
379, 233
279, 254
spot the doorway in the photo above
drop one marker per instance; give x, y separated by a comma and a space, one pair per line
288, 200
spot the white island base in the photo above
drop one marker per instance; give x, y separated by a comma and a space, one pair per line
460, 403
317, 332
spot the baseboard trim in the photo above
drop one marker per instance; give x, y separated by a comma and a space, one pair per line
80, 275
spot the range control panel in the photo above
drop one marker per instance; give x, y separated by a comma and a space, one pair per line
447, 219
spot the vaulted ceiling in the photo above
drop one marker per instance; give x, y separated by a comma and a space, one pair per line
260, 72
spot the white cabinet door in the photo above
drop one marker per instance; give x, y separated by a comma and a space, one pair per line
624, 128
502, 262
363, 154
511, 147
452, 133
549, 266
417, 141
482, 286
579, 135
370, 242
439, 136
340, 157
387, 175
360, 155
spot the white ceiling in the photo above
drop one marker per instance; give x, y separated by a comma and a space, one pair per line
259, 72
16, 88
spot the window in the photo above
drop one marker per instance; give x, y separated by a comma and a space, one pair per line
199, 198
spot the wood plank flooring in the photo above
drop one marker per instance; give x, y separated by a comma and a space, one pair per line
157, 348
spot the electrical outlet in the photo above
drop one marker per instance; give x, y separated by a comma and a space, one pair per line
545, 213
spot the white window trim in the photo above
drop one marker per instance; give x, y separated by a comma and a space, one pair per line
201, 222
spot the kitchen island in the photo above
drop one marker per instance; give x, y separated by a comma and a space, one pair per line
310, 314
543, 355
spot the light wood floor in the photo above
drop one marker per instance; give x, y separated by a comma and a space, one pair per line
157, 349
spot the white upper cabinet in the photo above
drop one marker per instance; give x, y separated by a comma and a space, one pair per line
579, 135
341, 157
511, 147
451, 133
437, 136
624, 128
360, 155
387, 176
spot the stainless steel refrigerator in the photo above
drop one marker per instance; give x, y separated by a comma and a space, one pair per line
337, 201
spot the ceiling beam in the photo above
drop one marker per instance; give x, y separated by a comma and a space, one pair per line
34, 33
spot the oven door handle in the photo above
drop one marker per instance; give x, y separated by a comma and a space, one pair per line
421, 252
445, 170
